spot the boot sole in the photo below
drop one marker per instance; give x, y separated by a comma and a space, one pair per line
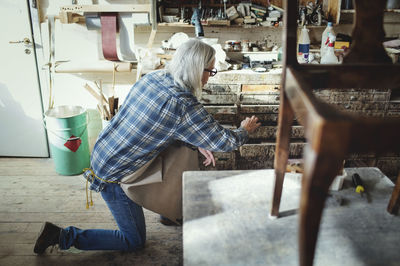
40, 235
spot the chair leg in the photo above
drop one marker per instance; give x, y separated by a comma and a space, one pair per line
319, 171
394, 202
285, 121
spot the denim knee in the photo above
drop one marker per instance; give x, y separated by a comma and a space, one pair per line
132, 245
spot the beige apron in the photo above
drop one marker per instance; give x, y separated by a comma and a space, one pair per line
157, 186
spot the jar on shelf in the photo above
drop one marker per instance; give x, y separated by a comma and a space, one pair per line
237, 47
264, 46
228, 46
245, 45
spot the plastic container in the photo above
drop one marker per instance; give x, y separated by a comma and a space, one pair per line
324, 39
329, 56
68, 139
304, 46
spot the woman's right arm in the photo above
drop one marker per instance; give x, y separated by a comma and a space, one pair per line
197, 127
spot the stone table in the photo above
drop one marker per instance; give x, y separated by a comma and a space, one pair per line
226, 221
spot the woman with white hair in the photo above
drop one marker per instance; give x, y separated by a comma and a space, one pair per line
139, 158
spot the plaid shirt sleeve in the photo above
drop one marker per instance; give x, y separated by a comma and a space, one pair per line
197, 127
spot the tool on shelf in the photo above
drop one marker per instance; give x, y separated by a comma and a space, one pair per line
195, 20
358, 184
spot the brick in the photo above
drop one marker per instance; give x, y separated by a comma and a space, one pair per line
222, 109
394, 107
389, 166
260, 88
269, 132
267, 150
392, 114
222, 99
245, 77
346, 95
249, 109
223, 114
259, 98
251, 164
369, 108
223, 161
265, 119
221, 88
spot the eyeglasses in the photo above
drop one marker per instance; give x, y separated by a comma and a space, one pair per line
212, 72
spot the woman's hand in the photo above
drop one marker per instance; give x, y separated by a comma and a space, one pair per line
209, 157
250, 124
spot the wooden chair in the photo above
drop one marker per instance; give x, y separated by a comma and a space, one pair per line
332, 134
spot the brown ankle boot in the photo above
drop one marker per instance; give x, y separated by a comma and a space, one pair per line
49, 236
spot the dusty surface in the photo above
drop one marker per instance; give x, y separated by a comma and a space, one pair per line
226, 221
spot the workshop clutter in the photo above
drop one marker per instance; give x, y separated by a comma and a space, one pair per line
332, 47
221, 14
107, 106
311, 14
68, 138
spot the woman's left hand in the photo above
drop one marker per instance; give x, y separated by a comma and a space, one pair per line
209, 157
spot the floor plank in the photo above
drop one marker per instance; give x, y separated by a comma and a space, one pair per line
31, 192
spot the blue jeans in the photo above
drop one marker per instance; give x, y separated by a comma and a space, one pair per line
129, 217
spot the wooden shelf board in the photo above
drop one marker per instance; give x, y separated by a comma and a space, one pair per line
351, 11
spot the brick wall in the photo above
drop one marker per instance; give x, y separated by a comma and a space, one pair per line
231, 96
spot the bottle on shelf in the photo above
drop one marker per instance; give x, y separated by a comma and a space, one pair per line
324, 39
304, 46
329, 56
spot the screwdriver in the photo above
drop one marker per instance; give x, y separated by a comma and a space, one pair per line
358, 184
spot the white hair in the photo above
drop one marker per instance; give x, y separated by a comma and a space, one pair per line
187, 65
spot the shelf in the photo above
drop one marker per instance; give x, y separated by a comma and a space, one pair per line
313, 26
351, 11
251, 52
203, 5
93, 67
75, 13
186, 25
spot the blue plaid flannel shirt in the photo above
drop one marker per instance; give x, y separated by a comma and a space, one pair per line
155, 114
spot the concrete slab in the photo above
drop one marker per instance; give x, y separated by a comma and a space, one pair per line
226, 221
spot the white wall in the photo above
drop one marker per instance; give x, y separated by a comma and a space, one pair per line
76, 44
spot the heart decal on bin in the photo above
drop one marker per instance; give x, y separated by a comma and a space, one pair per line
73, 143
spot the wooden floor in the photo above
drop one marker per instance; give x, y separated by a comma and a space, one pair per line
31, 192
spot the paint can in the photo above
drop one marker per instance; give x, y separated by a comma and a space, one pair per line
68, 138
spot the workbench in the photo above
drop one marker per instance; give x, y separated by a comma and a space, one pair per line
226, 221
